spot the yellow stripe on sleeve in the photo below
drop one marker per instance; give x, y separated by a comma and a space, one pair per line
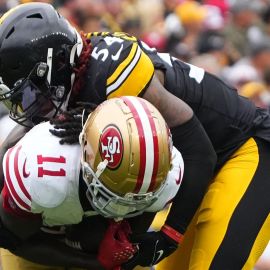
123, 65
132, 75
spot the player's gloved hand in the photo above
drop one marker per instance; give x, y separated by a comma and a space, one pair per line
153, 247
68, 124
115, 248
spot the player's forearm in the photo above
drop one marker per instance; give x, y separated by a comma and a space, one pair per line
13, 137
55, 253
199, 162
174, 110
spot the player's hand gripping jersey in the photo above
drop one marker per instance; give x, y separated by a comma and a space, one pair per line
42, 177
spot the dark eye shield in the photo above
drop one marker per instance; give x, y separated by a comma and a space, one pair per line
30, 97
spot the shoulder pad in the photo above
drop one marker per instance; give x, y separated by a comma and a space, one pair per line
172, 183
40, 172
119, 66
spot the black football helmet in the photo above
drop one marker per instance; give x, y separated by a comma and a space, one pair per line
38, 50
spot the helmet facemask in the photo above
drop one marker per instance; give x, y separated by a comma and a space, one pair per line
110, 204
36, 98
30, 98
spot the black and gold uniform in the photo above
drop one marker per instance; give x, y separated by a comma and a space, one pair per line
117, 63
43, 60
123, 65
233, 218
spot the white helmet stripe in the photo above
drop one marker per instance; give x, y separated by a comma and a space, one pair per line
146, 147
155, 144
149, 151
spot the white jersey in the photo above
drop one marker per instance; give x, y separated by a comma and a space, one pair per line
172, 183
42, 177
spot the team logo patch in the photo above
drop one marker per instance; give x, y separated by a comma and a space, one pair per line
111, 146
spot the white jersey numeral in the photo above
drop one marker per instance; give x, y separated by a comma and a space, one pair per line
105, 52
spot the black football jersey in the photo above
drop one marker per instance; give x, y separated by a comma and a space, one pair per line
118, 67
227, 117
123, 65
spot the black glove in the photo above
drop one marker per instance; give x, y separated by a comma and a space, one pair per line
152, 248
68, 125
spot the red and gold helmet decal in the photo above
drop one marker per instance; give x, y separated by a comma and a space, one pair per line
148, 143
111, 146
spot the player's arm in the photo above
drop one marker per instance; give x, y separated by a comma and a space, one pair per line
189, 137
191, 140
40, 248
48, 251
23, 237
13, 137
174, 110
20, 226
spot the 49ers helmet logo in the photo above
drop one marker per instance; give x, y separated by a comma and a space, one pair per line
111, 146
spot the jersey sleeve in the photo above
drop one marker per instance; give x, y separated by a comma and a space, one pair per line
10, 206
15, 173
120, 59
172, 183
40, 172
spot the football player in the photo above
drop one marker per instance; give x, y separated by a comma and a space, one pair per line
223, 137
126, 165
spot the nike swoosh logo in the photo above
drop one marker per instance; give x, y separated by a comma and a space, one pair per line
178, 181
160, 253
25, 174
116, 56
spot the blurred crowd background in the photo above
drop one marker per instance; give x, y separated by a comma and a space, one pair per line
229, 38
